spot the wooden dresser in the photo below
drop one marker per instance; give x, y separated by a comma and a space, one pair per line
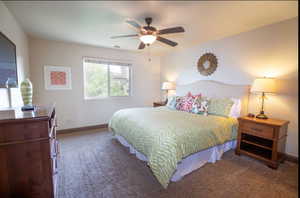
28, 154
262, 139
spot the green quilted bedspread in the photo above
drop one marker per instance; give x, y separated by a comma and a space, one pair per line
167, 136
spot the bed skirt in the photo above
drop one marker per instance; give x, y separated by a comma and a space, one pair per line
190, 163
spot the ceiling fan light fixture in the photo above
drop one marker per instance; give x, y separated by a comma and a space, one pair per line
148, 39
149, 34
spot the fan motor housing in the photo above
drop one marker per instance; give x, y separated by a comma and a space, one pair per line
148, 30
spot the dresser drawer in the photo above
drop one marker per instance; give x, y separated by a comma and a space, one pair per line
258, 130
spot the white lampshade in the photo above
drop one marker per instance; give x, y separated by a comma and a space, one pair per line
267, 85
168, 86
148, 39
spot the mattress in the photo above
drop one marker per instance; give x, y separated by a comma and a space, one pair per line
165, 137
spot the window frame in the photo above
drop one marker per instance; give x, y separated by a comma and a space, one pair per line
108, 80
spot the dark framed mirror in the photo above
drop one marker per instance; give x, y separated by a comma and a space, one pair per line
8, 63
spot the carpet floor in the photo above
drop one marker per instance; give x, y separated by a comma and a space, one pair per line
94, 165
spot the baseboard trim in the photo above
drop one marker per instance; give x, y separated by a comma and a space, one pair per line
71, 130
291, 158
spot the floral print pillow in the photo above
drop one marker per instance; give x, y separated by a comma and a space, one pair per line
178, 102
185, 103
200, 106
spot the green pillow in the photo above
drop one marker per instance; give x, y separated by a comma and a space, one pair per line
220, 106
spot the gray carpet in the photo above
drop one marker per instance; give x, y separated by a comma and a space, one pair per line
93, 165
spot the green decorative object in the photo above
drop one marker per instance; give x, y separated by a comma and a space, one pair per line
26, 92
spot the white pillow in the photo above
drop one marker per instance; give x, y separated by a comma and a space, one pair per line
171, 102
235, 110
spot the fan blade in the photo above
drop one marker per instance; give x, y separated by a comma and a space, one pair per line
133, 23
141, 46
171, 30
124, 36
166, 41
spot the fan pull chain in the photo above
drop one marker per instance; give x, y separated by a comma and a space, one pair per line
148, 49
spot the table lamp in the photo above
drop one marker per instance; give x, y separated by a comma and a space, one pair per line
263, 86
166, 86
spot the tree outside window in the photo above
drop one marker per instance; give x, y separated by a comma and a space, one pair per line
104, 79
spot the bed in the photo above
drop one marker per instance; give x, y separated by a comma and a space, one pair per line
175, 143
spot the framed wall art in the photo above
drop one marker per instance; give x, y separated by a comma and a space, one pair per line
57, 78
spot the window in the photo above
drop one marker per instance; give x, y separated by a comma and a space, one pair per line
104, 78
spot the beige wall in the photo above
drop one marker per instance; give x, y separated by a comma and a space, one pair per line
72, 109
268, 51
10, 27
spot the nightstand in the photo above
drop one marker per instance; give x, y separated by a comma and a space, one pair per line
262, 139
158, 104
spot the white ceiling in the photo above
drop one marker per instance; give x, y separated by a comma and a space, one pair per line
94, 22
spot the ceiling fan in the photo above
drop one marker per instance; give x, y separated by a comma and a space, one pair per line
148, 34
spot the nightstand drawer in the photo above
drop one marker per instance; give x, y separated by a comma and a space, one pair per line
258, 129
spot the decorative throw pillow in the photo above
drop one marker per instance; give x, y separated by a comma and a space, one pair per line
189, 94
185, 103
200, 105
178, 102
220, 106
197, 95
236, 108
171, 102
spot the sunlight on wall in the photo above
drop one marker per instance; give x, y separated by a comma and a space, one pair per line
171, 77
271, 100
273, 69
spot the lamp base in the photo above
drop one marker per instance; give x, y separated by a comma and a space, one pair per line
261, 115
